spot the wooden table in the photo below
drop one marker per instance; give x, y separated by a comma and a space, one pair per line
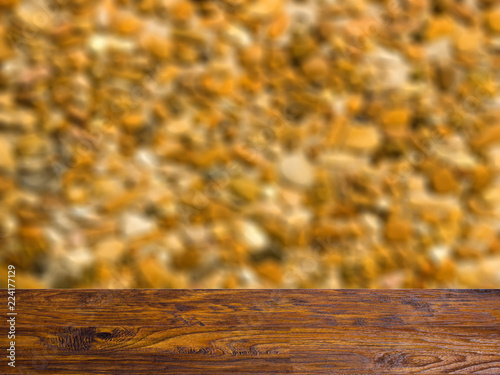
255, 332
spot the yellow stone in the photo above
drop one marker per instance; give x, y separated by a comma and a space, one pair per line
362, 138
252, 55
481, 178
414, 52
188, 259
182, 11
315, 68
158, 46
278, 26
110, 250
76, 194
154, 274
133, 122
443, 180
493, 20
31, 145
440, 27
271, 271
105, 187
487, 137
127, 25
7, 160
245, 188
32, 238
468, 41
396, 118
398, 229
8, 3
6, 50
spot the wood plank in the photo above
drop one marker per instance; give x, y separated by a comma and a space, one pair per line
153, 331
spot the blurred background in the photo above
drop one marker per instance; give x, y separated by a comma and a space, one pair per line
250, 144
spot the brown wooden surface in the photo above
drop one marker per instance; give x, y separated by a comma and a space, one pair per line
255, 332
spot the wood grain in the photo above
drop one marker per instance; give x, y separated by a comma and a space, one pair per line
256, 332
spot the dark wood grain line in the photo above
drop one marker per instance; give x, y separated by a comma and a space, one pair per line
256, 332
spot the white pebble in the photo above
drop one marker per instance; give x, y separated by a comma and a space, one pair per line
253, 235
297, 169
135, 225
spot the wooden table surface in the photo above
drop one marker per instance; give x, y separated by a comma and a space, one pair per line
148, 331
